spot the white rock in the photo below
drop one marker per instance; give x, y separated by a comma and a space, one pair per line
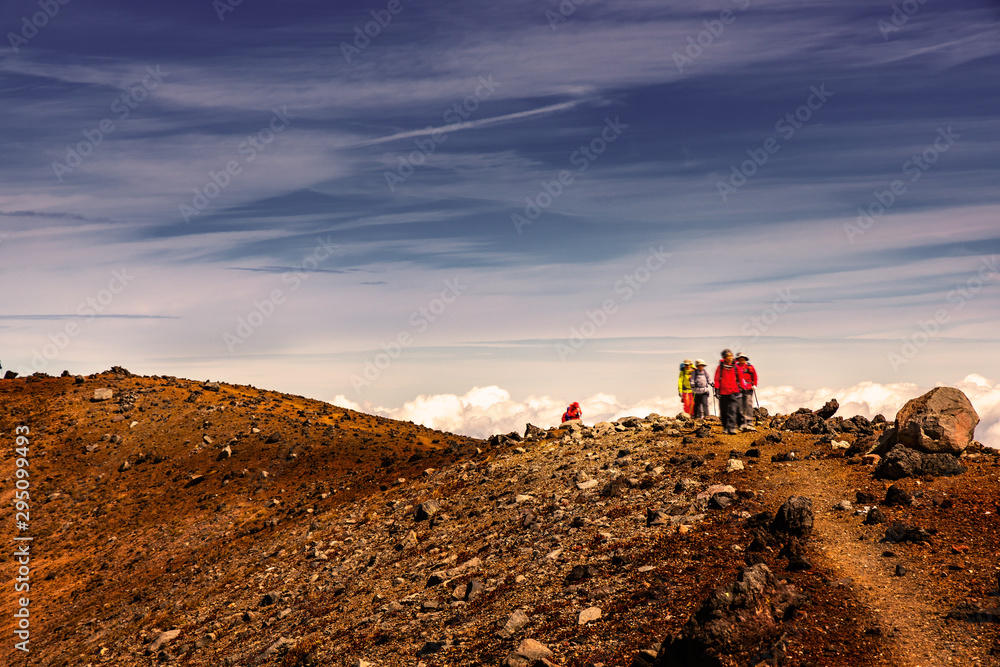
589, 614
734, 465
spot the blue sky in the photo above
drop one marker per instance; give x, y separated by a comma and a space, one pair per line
558, 200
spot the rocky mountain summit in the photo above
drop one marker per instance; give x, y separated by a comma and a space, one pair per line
202, 523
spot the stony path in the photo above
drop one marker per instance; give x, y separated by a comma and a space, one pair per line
909, 611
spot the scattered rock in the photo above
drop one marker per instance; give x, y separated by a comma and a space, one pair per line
971, 610
829, 409
517, 620
532, 431
897, 495
900, 532
737, 621
529, 653
903, 462
430, 648
162, 639
103, 394
875, 516
581, 572
615, 487
426, 510
589, 614
734, 465
794, 518
795, 553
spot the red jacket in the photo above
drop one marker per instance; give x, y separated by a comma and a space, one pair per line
748, 376
727, 380
572, 412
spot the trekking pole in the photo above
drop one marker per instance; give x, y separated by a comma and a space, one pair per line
755, 397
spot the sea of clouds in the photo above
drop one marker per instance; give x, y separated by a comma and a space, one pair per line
483, 411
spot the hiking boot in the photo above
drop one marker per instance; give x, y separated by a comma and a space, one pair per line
749, 428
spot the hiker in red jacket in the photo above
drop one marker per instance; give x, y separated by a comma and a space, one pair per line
572, 412
748, 381
727, 389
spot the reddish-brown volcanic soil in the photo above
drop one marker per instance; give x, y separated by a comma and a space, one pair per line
185, 538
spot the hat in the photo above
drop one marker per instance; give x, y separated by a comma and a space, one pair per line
574, 405
742, 356
688, 362
700, 362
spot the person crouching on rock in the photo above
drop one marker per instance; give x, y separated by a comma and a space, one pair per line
572, 412
748, 380
700, 386
684, 386
727, 389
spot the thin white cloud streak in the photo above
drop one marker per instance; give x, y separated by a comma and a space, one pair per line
473, 124
483, 411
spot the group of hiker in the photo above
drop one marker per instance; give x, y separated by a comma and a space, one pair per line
733, 385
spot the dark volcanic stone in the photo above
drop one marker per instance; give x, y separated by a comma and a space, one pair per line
866, 498
581, 572
794, 518
687, 460
900, 532
903, 462
796, 555
737, 621
875, 516
897, 495
829, 409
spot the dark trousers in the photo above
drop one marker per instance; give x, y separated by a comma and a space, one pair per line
700, 406
746, 409
729, 410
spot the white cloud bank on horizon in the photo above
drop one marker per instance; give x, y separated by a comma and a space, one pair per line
483, 411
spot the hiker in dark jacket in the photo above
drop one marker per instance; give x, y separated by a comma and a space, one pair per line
701, 385
727, 388
748, 381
